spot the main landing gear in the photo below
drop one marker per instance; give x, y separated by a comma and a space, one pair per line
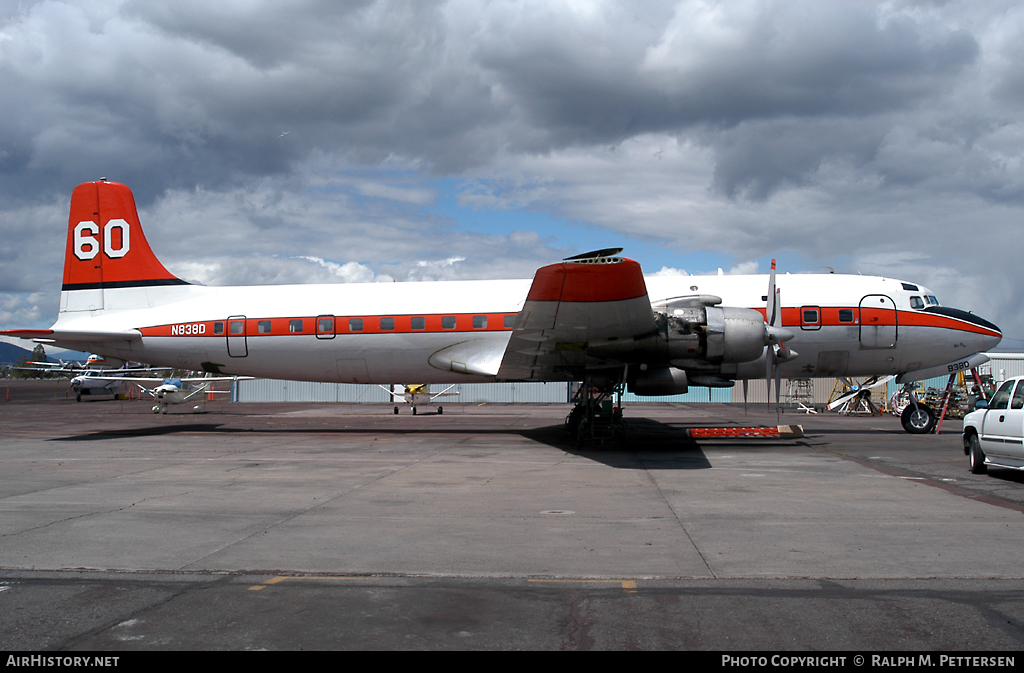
596, 417
440, 411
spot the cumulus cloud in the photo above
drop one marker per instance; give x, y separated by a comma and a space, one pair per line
260, 137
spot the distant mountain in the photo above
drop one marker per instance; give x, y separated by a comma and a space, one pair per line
9, 354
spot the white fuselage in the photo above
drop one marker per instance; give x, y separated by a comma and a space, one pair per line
406, 326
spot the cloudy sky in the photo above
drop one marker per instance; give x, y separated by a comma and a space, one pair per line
318, 141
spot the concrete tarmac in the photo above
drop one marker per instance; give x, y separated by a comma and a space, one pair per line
334, 526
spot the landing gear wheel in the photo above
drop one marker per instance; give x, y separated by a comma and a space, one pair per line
396, 411
414, 411
977, 456
78, 397
919, 420
440, 410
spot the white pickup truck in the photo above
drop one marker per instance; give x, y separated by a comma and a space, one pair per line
994, 432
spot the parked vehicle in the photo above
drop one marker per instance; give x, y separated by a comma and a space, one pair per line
994, 432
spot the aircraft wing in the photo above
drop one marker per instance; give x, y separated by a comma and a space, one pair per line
215, 379
573, 307
75, 340
149, 379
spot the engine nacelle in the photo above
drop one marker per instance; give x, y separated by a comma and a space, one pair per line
661, 381
695, 335
713, 334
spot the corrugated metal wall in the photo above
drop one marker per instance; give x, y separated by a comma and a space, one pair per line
1002, 366
268, 390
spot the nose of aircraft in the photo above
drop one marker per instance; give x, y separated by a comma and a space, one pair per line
987, 334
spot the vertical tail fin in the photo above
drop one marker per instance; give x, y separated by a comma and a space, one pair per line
106, 247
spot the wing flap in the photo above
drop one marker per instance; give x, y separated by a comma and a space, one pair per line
571, 305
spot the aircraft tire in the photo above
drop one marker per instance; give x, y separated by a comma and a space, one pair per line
440, 410
414, 411
78, 397
396, 411
919, 421
977, 456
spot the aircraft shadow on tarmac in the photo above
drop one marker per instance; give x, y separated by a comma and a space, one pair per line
651, 445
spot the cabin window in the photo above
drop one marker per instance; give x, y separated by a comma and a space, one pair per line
510, 320
218, 328
846, 315
263, 327
909, 287
237, 327
916, 302
387, 324
355, 325
479, 322
325, 325
294, 326
418, 323
810, 318
448, 322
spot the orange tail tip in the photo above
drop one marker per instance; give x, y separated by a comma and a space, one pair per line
106, 247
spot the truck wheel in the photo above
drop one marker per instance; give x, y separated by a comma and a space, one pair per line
977, 456
919, 421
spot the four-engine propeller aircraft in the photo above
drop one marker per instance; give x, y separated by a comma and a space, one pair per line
593, 318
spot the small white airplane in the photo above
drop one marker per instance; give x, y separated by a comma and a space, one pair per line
419, 395
167, 391
98, 376
593, 318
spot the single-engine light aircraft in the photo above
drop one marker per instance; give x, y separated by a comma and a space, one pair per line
419, 395
165, 391
593, 318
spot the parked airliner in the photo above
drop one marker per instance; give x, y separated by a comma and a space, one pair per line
593, 318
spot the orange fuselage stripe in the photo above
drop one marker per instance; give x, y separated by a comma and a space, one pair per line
495, 322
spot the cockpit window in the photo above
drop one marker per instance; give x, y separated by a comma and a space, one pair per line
932, 301
916, 302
